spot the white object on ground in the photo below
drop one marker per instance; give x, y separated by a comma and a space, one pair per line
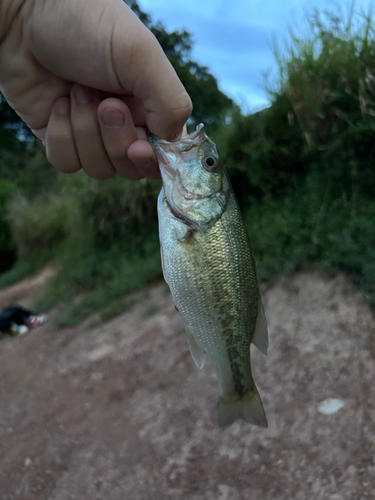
329, 406
22, 329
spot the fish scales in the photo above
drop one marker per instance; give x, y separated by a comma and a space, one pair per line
209, 267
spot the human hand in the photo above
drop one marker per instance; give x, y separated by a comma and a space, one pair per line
90, 80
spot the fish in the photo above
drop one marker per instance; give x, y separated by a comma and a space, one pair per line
210, 269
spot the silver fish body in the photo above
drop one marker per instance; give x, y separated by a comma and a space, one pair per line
209, 267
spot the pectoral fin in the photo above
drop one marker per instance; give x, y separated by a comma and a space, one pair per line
196, 352
260, 338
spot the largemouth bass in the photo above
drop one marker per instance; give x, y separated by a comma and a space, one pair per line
208, 265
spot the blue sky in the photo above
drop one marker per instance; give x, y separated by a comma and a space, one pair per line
234, 37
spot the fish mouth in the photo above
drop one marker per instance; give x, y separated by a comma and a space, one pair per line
183, 142
166, 150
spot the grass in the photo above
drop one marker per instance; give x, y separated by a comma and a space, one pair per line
99, 284
24, 268
291, 233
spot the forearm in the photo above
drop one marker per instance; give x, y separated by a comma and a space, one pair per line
9, 10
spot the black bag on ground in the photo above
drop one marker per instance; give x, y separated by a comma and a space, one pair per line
15, 314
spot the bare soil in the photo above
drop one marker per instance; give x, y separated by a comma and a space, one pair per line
119, 411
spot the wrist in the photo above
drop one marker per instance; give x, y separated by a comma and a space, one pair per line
9, 10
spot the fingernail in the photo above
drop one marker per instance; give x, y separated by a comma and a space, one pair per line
82, 94
112, 118
63, 107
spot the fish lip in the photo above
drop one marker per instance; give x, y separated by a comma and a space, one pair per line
155, 141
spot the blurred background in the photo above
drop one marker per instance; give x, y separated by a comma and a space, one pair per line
289, 98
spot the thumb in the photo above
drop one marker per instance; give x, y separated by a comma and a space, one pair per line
142, 68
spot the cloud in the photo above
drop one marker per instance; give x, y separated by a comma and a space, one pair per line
233, 38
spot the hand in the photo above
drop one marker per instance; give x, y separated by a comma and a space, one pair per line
90, 79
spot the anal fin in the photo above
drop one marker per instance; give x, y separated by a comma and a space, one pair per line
260, 337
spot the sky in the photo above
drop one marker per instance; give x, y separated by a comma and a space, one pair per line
234, 37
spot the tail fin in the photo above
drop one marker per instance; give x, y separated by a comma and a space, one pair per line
249, 408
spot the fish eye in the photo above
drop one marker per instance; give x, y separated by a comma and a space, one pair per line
210, 163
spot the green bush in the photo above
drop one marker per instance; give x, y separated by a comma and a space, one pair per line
309, 227
42, 224
100, 281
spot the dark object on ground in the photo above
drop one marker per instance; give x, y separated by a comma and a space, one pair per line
17, 319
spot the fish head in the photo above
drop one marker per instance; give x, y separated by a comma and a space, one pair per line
195, 184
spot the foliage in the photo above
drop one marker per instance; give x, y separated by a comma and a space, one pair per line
24, 267
10, 121
42, 224
310, 226
115, 210
103, 279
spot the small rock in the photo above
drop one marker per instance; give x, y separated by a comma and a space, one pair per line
27, 462
100, 352
330, 406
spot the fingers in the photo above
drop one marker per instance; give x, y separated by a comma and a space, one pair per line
87, 134
58, 138
99, 137
119, 134
142, 155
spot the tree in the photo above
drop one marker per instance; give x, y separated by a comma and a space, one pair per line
211, 106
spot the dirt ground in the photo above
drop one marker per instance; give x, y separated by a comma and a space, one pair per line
119, 411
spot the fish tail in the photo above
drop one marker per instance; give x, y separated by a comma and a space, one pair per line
249, 408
